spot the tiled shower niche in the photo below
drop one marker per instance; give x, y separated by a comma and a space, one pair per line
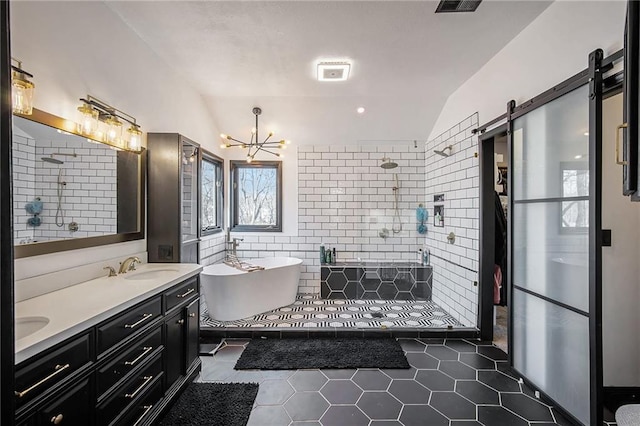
397, 281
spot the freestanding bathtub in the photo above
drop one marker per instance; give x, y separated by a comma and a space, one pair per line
231, 294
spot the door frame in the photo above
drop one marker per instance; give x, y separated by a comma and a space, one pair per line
487, 229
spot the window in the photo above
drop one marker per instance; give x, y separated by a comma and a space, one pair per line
575, 194
211, 203
257, 196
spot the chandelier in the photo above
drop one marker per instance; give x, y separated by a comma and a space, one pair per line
254, 145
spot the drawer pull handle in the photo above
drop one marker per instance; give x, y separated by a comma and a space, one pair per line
59, 369
192, 315
137, 391
57, 419
146, 410
147, 349
180, 321
137, 323
188, 292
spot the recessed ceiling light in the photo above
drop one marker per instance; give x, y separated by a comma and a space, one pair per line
360, 110
586, 133
577, 157
333, 71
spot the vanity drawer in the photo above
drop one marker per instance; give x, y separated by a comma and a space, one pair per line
134, 389
139, 412
34, 377
128, 323
181, 293
72, 407
135, 355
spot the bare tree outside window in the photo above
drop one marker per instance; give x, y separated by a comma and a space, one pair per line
575, 213
257, 196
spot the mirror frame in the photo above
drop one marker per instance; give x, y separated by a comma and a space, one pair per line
46, 247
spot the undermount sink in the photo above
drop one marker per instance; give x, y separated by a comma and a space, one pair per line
148, 275
28, 325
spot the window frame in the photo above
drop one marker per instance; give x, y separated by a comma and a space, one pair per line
236, 165
219, 163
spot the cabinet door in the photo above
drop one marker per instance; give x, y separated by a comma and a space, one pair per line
174, 346
72, 407
193, 331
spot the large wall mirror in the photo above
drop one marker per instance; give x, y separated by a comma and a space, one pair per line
70, 192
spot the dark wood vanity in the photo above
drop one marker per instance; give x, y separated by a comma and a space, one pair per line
126, 370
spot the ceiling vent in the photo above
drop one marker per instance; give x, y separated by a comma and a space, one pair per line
333, 71
447, 6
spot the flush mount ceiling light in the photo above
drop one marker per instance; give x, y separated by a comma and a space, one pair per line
254, 146
95, 113
333, 71
21, 89
360, 110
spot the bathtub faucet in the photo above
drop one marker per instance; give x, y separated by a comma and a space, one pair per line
232, 246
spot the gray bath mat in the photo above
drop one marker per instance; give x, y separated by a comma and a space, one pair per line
292, 354
202, 404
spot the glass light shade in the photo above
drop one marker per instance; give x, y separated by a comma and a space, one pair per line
135, 138
88, 119
113, 134
22, 94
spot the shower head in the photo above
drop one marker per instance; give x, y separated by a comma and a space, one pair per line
52, 160
388, 164
443, 153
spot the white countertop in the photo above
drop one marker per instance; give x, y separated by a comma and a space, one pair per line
76, 308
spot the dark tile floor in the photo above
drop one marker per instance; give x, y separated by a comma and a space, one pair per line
450, 383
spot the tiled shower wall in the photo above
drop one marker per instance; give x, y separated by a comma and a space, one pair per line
345, 199
89, 196
455, 265
24, 172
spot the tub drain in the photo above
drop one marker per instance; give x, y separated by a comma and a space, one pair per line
377, 315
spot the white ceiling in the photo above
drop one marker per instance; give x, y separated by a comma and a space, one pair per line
406, 60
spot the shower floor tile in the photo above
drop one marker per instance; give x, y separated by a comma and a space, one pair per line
309, 311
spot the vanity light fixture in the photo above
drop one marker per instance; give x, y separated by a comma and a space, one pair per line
254, 145
21, 89
95, 113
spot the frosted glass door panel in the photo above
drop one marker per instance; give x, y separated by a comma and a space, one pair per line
551, 348
547, 142
189, 179
549, 258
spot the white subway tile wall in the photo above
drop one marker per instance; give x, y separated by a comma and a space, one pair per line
212, 249
89, 196
24, 182
455, 266
345, 199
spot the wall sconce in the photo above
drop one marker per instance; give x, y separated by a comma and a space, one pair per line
254, 146
21, 89
94, 111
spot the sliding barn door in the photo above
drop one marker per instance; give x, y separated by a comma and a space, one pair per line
551, 225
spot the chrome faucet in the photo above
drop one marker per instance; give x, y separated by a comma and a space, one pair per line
129, 264
232, 245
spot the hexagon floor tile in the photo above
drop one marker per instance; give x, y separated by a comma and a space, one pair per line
310, 311
451, 382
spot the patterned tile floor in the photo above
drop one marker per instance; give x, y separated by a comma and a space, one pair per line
451, 382
311, 311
